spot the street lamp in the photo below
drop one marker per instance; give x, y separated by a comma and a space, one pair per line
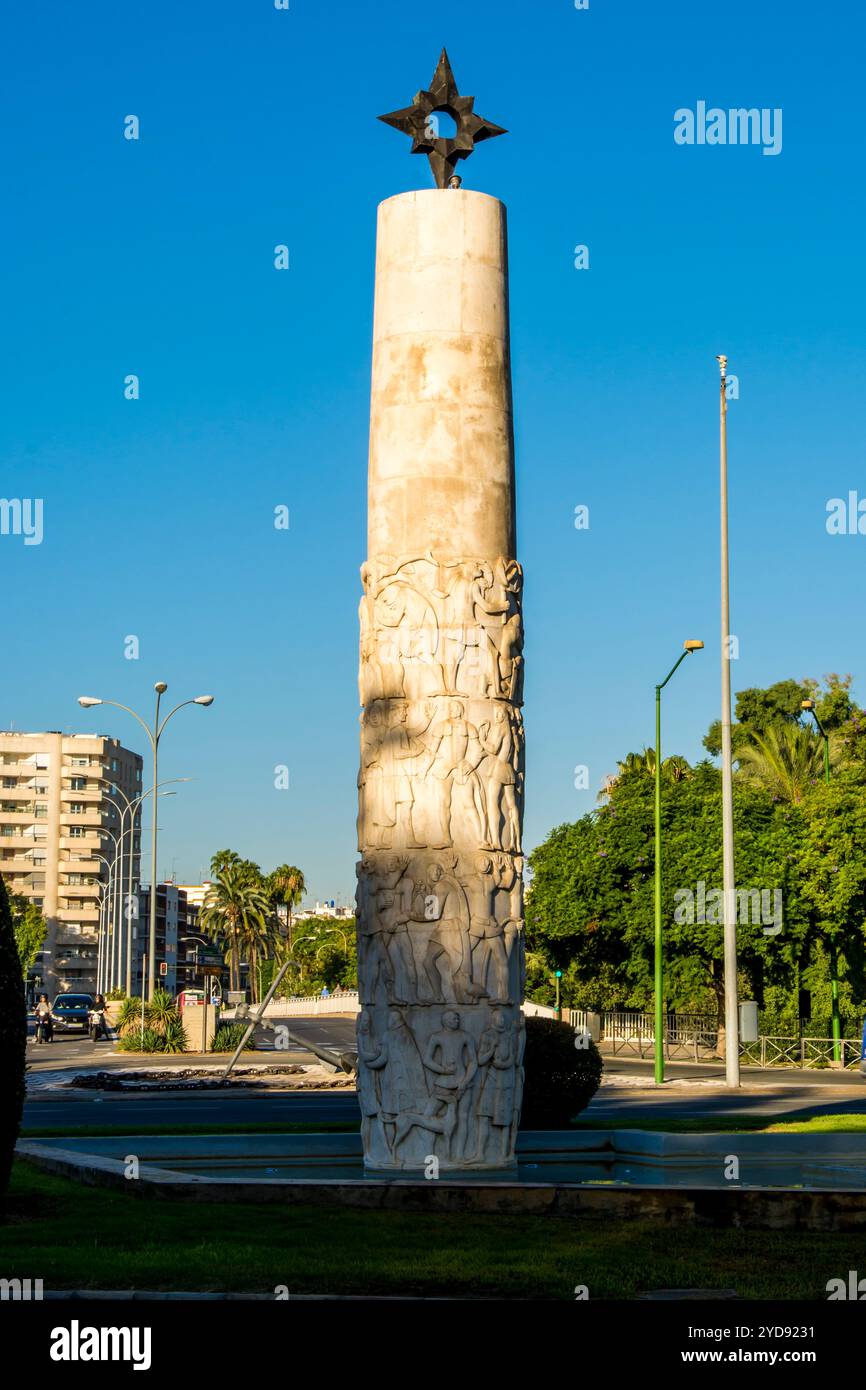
809, 707
732, 1022
134, 807
688, 647
154, 734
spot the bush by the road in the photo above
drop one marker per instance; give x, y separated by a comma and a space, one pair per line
13, 1039
227, 1037
561, 1075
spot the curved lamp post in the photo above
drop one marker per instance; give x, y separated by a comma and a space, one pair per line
154, 734
659, 1049
809, 707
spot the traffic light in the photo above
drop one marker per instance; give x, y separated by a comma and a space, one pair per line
558, 974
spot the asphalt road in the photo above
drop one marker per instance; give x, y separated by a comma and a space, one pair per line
771, 1093
773, 1098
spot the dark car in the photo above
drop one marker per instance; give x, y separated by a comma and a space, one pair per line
71, 1011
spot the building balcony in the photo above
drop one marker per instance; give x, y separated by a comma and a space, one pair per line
80, 912
91, 841
72, 943
91, 816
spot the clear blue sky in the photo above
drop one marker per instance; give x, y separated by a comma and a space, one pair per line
156, 257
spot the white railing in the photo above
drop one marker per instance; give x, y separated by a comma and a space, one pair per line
808, 1053
346, 1002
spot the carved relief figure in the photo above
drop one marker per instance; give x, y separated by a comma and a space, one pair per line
454, 788
402, 1079
498, 773
452, 1057
497, 1061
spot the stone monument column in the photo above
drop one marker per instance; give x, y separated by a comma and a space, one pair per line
440, 787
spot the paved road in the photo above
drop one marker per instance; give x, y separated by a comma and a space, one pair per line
771, 1093
75, 1051
611, 1103
190, 1109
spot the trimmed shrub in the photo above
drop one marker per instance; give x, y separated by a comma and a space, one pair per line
129, 1016
560, 1079
227, 1037
13, 1039
174, 1037
137, 1041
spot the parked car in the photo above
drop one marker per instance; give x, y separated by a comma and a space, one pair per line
72, 1011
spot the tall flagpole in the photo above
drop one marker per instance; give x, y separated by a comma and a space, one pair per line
732, 1030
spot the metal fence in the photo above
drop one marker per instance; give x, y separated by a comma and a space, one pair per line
685, 1035
808, 1053
694, 1037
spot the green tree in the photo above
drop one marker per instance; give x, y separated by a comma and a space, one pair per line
786, 760
30, 927
756, 710
235, 908
590, 908
833, 867
13, 1039
285, 886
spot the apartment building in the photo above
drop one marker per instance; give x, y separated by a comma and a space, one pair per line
176, 920
59, 831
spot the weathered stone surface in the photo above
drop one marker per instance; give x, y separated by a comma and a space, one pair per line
440, 787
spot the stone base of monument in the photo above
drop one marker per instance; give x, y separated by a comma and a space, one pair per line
787, 1181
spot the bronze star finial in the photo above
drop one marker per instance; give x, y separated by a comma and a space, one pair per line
419, 121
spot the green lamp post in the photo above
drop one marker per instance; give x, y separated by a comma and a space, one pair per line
659, 1049
809, 706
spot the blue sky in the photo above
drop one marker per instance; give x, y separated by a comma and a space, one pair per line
155, 257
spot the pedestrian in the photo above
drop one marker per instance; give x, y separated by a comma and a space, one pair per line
44, 1024
101, 1023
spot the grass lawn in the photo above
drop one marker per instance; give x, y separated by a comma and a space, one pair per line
798, 1123
717, 1124
73, 1236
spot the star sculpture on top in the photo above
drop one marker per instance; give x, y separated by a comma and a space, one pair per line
419, 121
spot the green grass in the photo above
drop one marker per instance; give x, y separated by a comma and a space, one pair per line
73, 1236
797, 1123
717, 1124
820, 1124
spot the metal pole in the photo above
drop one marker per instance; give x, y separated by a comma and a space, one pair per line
275, 983
658, 1050
834, 961
131, 932
204, 1015
659, 1026
732, 1042
151, 948
117, 953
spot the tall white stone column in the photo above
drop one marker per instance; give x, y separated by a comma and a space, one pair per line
440, 788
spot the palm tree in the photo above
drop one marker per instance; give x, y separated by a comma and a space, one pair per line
785, 759
223, 859
286, 885
234, 908
258, 937
674, 769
